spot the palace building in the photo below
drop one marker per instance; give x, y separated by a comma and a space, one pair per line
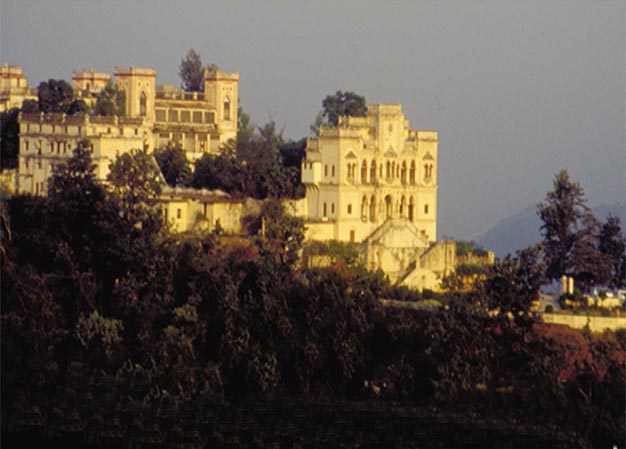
198, 122
373, 181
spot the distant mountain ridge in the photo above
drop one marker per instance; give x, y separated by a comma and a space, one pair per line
522, 230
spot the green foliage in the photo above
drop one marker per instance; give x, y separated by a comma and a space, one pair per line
191, 72
173, 163
55, 96
561, 213
221, 172
471, 269
339, 252
135, 182
30, 107
103, 319
464, 248
9, 138
260, 164
343, 104
77, 107
111, 101
613, 245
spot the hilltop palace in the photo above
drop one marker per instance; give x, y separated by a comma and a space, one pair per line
369, 180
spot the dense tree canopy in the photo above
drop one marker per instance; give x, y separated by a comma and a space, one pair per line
191, 72
115, 333
111, 101
260, 164
613, 245
9, 138
340, 104
174, 165
572, 237
562, 214
55, 96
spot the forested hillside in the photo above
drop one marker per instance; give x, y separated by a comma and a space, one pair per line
117, 334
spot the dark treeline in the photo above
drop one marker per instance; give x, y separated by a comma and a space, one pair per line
120, 335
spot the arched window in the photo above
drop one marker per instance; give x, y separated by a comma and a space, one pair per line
388, 206
324, 212
428, 171
388, 172
402, 210
411, 209
364, 209
226, 108
364, 172
373, 172
403, 173
373, 208
393, 169
412, 173
143, 104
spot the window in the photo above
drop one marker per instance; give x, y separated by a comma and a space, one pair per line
411, 209
143, 104
173, 116
364, 172
185, 116
332, 171
197, 116
403, 173
349, 209
412, 173
426, 209
160, 115
324, 209
373, 172
388, 206
209, 117
26, 145
332, 208
179, 213
352, 236
373, 208
325, 170
364, 209
226, 108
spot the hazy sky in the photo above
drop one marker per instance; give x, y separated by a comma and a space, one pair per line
517, 90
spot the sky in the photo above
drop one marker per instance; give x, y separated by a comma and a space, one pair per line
516, 89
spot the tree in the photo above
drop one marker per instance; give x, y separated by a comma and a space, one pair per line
191, 72
173, 163
613, 245
135, 182
9, 138
590, 267
77, 107
55, 96
222, 172
562, 214
30, 107
111, 101
341, 104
